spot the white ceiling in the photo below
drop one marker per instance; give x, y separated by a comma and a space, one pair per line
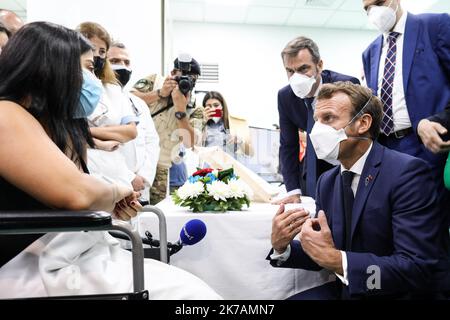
18, 6
317, 13
310, 13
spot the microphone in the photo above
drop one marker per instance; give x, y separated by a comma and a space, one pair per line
192, 232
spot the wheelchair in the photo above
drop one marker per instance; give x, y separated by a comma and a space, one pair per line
41, 222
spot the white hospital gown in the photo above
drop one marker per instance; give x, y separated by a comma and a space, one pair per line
86, 263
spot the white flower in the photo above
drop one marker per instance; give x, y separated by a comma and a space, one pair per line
216, 173
219, 190
238, 189
190, 190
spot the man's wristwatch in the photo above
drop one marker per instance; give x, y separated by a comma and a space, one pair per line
180, 115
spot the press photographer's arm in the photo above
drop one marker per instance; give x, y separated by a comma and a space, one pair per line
158, 94
186, 131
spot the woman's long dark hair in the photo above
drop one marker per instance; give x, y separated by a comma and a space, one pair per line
40, 69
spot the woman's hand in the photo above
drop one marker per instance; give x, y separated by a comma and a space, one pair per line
208, 113
127, 208
138, 183
109, 145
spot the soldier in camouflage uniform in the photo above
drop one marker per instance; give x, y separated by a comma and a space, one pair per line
176, 119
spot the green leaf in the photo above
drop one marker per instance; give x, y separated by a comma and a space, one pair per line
226, 174
205, 202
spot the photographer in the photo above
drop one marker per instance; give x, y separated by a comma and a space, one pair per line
174, 115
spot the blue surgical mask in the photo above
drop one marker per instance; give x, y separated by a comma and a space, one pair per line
91, 92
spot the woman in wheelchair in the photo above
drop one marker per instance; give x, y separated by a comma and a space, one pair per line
45, 97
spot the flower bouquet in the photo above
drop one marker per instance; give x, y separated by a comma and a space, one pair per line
213, 190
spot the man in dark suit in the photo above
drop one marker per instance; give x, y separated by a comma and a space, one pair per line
296, 102
378, 227
408, 67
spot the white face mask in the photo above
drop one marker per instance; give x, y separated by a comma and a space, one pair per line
301, 84
326, 140
382, 17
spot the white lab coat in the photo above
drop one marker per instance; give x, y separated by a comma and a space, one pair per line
142, 153
113, 109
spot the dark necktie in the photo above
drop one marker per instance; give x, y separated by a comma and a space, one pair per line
347, 178
311, 158
387, 125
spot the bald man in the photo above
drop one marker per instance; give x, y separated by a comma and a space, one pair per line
10, 20
4, 36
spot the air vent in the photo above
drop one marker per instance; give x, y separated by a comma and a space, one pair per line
319, 3
210, 73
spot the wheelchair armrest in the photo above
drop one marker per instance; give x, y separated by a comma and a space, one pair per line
164, 257
23, 222
32, 222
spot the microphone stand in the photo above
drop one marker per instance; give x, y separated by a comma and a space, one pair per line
173, 247
154, 243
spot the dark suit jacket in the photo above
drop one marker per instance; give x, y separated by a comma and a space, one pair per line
426, 71
443, 117
396, 226
294, 116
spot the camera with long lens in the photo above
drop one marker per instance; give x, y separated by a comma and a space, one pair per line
186, 82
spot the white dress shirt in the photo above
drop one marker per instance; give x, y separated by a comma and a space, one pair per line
399, 109
357, 169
